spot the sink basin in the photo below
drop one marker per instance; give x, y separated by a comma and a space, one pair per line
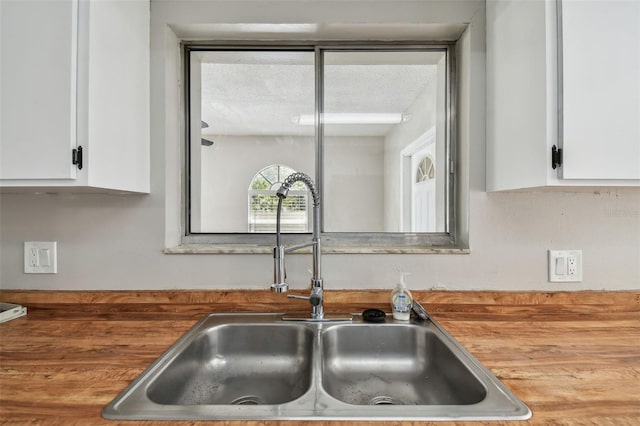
258, 367
238, 364
395, 364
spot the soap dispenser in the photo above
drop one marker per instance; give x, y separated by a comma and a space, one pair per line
401, 301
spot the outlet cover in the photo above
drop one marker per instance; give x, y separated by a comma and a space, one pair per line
565, 266
40, 257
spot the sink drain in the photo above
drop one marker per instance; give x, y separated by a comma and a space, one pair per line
246, 400
385, 400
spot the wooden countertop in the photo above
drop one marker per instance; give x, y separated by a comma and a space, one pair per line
573, 358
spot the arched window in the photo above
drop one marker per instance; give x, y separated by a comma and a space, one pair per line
426, 170
263, 202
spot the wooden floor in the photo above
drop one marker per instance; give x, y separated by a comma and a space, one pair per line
573, 358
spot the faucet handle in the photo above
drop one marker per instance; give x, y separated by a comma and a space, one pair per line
315, 298
295, 296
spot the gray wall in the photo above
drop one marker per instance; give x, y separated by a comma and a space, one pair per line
354, 182
117, 241
229, 165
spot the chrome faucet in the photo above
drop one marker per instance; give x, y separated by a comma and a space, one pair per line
279, 272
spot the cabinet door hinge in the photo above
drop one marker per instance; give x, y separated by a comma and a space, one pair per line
76, 157
556, 157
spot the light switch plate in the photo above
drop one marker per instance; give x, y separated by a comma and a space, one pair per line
40, 257
565, 266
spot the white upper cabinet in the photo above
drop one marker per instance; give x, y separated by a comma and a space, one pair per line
563, 74
75, 74
38, 94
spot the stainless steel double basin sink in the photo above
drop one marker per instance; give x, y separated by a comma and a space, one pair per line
258, 367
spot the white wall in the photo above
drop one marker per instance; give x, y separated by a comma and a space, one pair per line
116, 241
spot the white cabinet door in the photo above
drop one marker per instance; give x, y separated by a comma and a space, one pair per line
563, 73
521, 96
600, 89
38, 89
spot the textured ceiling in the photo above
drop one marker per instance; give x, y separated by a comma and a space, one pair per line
262, 96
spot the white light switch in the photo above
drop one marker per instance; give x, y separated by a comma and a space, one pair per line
44, 257
561, 266
40, 257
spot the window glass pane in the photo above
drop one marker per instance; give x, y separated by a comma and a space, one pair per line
272, 175
384, 111
243, 103
260, 183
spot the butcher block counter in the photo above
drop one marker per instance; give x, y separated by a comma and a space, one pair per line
573, 358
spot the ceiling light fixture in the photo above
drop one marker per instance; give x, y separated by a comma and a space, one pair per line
353, 118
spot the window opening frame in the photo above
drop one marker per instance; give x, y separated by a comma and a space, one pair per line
343, 241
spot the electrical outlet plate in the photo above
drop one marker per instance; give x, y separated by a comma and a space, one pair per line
565, 266
40, 257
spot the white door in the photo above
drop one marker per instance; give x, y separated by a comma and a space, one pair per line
38, 89
423, 217
418, 185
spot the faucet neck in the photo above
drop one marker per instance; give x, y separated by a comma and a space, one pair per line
282, 193
279, 286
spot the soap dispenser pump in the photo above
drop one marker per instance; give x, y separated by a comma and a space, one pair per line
401, 301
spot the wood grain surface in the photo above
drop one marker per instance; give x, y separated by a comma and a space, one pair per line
574, 358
